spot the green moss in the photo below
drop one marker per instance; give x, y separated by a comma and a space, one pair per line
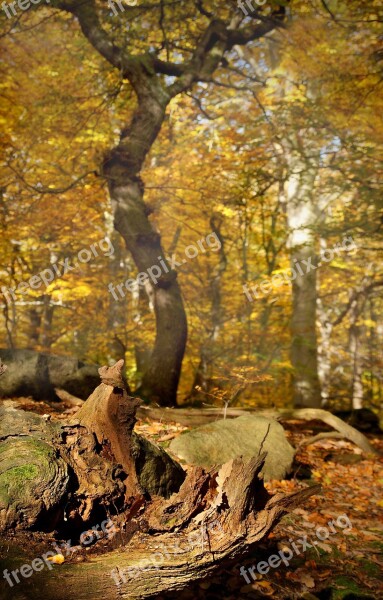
21, 462
18, 474
344, 586
370, 568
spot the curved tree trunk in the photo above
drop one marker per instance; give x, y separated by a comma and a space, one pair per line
147, 74
121, 168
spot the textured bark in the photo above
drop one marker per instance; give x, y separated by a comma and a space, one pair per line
303, 331
121, 168
215, 518
94, 464
110, 414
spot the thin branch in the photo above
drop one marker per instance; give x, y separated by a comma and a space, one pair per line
42, 190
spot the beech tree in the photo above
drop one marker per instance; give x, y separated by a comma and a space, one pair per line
173, 63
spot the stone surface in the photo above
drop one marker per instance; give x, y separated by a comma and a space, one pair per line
157, 472
218, 442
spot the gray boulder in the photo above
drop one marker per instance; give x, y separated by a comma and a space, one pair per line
218, 442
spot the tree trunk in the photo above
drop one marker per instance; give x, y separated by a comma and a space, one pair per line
121, 168
203, 382
324, 351
302, 217
355, 334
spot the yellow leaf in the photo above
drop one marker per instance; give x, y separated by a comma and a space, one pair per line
57, 559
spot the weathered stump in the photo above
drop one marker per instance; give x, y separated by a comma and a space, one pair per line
96, 463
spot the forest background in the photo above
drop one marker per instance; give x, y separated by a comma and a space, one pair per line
279, 155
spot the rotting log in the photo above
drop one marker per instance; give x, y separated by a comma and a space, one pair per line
214, 517
97, 463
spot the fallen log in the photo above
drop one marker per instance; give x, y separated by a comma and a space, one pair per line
214, 519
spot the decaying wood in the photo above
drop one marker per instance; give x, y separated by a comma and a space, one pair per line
98, 464
110, 414
69, 398
194, 417
325, 435
348, 432
215, 518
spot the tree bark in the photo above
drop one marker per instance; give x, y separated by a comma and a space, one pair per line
121, 168
215, 518
302, 217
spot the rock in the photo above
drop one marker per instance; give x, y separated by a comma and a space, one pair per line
36, 374
157, 472
218, 442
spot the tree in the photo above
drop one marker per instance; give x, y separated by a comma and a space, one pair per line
150, 76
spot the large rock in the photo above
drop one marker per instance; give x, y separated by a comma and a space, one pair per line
157, 472
36, 374
246, 436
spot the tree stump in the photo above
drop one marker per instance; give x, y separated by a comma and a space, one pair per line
99, 467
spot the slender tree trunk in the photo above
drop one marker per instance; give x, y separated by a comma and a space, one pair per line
302, 217
122, 167
46, 322
203, 381
355, 351
324, 351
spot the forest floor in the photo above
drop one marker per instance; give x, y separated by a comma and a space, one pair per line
338, 561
